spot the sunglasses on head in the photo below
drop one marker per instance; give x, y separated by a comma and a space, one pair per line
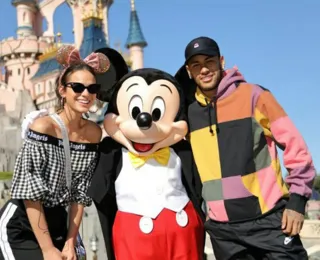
79, 87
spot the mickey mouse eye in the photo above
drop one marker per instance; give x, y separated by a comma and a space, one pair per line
135, 106
158, 108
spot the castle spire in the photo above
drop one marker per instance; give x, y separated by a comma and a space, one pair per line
58, 35
135, 37
132, 6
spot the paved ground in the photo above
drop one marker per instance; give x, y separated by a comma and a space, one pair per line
91, 226
208, 249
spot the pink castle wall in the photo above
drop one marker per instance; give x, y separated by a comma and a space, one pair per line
20, 58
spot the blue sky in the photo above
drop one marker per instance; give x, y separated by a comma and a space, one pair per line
274, 43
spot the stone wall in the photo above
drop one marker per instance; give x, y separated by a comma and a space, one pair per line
10, 130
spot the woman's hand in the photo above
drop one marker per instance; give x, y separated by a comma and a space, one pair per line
68, 252
52, 253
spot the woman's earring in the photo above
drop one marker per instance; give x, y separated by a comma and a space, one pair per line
62, 102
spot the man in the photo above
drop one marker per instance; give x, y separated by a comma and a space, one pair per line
234, 129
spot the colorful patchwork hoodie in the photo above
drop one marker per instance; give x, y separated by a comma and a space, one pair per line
234, 140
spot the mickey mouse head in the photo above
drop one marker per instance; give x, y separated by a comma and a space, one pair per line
146, 111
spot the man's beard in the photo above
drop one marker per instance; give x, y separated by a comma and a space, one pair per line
216, 85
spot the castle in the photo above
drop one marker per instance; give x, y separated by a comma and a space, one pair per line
28, 67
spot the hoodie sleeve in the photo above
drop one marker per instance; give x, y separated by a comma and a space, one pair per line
296, 157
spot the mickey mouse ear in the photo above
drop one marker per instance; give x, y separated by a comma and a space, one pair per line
188, 85
118, 68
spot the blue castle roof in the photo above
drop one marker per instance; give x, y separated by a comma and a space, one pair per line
16, 2
48, 66
135, 36
93, 37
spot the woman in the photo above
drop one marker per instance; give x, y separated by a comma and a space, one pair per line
33, 223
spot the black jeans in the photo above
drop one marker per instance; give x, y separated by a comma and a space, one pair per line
259, 239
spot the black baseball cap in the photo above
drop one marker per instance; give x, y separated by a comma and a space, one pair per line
201, 46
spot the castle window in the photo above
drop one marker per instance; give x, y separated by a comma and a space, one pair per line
19, 71
50, 86
28, 71
38, 89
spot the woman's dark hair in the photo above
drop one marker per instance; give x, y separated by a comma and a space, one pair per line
63, 81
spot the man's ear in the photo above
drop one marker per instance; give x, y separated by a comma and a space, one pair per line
222, 62
189, 73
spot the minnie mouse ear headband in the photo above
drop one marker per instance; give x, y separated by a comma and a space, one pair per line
68, 55
118, 68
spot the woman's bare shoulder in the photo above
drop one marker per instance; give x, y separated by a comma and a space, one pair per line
93, 132
43, 125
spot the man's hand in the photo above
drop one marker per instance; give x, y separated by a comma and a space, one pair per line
292, 222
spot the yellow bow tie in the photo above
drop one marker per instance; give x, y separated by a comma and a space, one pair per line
161, 156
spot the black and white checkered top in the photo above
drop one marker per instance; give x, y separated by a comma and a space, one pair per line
39, 172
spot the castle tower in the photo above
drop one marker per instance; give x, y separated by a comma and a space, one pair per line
26, 16
93, 31
80, 7
19, 55
135, 41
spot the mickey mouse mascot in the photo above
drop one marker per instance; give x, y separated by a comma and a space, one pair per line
146, 187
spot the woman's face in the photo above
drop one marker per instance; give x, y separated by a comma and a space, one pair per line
77, 90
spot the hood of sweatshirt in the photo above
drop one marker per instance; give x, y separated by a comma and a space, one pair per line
226, 86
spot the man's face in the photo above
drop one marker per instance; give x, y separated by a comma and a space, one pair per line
206, 71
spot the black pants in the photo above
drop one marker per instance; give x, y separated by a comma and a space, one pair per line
260, 239
17, 240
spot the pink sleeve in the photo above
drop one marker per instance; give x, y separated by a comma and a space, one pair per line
296, 156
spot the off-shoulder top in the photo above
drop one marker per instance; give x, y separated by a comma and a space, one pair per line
39, 172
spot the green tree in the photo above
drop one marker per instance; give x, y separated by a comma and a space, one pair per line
5, 175
316, 184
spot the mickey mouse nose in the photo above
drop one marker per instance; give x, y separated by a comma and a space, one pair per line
144, 120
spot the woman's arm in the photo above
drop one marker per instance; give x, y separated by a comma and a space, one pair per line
32, 164
38, 223
75, 217
34, 206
